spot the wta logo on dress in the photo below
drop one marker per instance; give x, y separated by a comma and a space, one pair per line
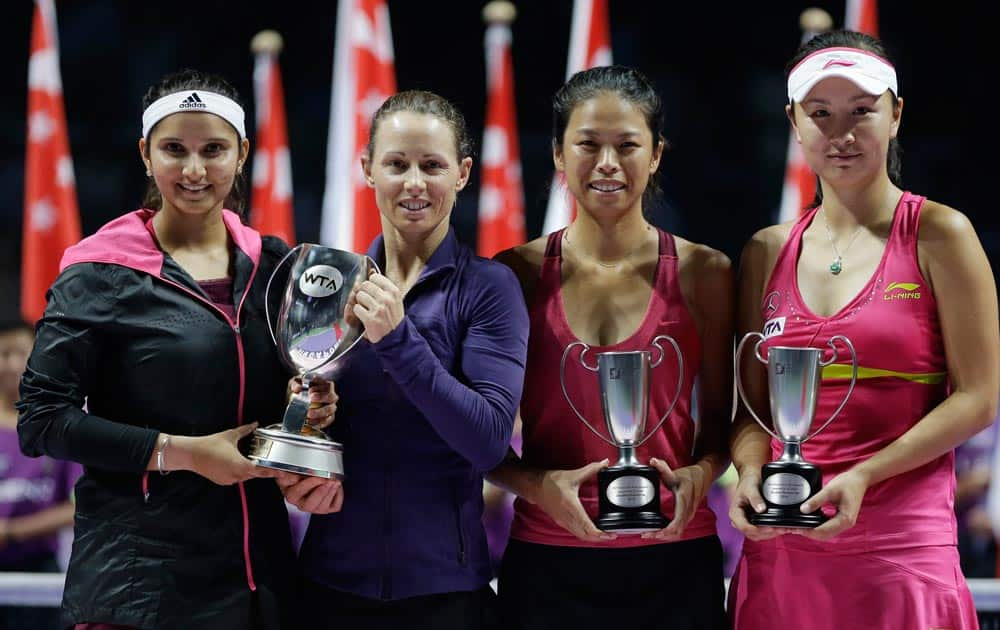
901, 291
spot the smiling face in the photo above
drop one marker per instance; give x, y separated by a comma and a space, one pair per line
415, 171
844, 131
194, 159
608, 154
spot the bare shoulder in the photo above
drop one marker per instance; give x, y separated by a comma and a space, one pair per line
701, 259
526, 263
767, 242
526, 258
943, 226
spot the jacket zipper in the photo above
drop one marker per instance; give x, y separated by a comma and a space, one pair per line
234, 325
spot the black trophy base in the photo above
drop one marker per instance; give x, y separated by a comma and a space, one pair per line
629, 500
785, 486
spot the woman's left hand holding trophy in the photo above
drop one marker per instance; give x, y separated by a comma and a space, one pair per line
378, 303
689, 486
316, 495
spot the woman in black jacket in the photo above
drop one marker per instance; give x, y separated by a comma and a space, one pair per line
156, 326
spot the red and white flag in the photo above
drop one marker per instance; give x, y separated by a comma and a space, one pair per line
271, 198
51, 216
862, 15
501, 197
589, 46
363, 77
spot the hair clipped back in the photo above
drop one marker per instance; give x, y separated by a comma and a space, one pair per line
427, 103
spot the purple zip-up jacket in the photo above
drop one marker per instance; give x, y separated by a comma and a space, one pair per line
422, 414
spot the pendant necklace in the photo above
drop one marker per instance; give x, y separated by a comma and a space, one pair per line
838, 263
610, 265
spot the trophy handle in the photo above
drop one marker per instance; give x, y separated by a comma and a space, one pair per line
739, 381
680, 381
267, 292
562, 381
854, 377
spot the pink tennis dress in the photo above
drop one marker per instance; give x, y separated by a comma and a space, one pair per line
897, 568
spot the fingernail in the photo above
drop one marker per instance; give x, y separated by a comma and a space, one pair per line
759, 507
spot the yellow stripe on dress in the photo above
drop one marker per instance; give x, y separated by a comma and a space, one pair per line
840, 371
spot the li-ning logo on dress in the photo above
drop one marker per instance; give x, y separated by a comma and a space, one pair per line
320, 281
192, 102
901, 291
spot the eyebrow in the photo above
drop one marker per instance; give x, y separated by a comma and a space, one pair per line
594, 133
422, 156
208, 140
858, 97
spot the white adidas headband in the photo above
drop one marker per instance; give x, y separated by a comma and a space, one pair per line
195, 101
868, 71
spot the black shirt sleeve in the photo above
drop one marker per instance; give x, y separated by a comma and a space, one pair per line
60, 372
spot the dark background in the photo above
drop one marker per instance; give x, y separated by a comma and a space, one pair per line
718, 65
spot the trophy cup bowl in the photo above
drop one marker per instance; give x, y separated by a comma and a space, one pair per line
313, 332
794, 376
628, 491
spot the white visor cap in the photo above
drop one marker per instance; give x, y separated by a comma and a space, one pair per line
868, 71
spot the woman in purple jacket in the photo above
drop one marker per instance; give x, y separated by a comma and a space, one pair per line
426, 403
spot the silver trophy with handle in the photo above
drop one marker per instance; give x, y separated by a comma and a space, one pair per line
313, 332
793, 378
628, 491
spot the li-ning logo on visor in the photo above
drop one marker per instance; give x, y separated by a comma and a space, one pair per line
839, 62
192, 102
320, 281
901, 291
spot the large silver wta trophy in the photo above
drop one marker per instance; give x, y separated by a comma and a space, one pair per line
313, 332
628, 491
793, 381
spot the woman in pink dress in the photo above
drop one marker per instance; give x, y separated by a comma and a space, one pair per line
907, 281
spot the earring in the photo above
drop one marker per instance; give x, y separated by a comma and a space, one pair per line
149, 173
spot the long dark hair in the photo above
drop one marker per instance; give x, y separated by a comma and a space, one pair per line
861, 41
626, 83
180, 81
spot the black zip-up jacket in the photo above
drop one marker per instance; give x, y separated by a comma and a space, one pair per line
133, 336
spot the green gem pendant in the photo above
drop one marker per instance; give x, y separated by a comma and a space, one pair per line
836, 266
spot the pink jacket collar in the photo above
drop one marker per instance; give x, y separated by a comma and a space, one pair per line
127, 241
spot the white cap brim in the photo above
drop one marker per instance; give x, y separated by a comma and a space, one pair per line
871, 73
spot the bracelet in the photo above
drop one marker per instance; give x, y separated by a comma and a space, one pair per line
159, 454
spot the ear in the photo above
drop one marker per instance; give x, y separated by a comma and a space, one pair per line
654, 164
464, 170
557, 158
897, 118
142, 156
244, 150
790, 113
366, 168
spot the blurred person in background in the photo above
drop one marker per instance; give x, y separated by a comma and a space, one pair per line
35, 494
977, 547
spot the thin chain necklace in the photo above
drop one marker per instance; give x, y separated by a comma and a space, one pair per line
838, 263
609, 265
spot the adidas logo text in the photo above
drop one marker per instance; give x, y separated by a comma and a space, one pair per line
192, 102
